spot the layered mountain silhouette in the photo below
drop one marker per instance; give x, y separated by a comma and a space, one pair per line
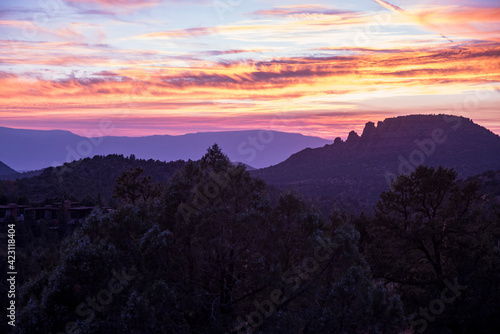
363, 166
26, 150
354, 171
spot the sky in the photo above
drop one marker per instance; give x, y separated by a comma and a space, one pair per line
173, 67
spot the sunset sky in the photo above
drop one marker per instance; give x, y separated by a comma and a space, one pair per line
173, 67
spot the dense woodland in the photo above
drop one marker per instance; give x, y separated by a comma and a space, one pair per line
214, 250
89, 180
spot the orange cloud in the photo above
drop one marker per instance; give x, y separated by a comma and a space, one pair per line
228, 52
303, 23
181, 33
459, 21
300, 10
16, 52
472, 22
312, 90
300, 76
14, 23
132, 3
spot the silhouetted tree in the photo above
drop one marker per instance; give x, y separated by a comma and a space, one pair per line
130, 188
429, 231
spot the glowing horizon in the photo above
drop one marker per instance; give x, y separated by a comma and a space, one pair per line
171, 67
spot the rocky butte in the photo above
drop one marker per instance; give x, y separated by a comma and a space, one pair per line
363, 166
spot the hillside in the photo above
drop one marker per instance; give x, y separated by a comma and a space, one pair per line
490, 184
89, 179
6, 170
362, 166
40, 149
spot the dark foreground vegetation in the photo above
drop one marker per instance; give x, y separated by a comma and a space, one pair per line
212, 251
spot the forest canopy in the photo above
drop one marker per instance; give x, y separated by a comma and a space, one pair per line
211, 250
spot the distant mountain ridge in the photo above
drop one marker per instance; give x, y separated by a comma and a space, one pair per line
350, 174
363, 166
6, 170
26, 150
